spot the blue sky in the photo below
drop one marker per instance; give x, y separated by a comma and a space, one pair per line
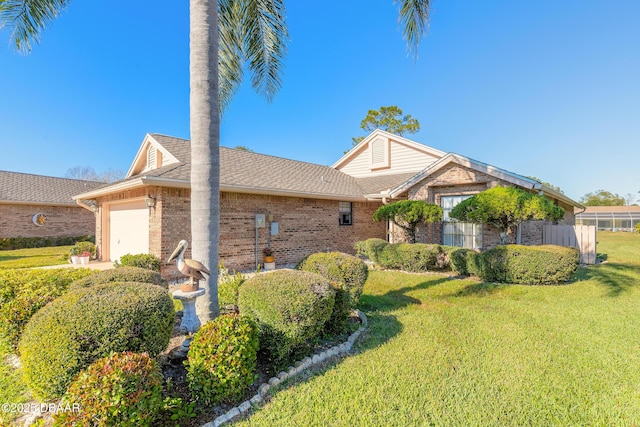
550, 89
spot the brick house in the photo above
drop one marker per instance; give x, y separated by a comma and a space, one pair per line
43, 206
294, 207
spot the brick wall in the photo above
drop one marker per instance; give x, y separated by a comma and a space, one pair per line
62, 221
305, 226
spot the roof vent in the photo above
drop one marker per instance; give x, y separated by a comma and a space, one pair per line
379, 148
152, 157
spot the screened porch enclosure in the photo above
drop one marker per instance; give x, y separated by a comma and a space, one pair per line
610, 220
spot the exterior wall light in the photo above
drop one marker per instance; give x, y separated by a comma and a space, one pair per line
150, 201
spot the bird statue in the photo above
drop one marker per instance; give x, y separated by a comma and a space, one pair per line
188, 267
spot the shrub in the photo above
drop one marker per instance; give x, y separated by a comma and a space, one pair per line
82, 247
529, 265
458, 259
82, 326
290, 307
146, 261
637, 227
414, 257
371, 248
123, 274
228, 287
347, 274
24, 292
8, 243
124, 389
222, 359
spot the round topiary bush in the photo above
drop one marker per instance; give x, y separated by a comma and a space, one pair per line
347, 274
291, 307
84, 325
222, 359
124, 389
123, 274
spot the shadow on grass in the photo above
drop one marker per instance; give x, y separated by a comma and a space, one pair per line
619, 278
481, 289
397, 298
12, 257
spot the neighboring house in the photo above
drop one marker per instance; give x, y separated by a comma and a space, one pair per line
43, 206
306, 207
611, 218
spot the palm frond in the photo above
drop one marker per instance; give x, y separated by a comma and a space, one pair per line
231, 57
26, 19
413, 16
265, 44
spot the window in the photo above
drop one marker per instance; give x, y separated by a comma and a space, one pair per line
344, 210
455, 233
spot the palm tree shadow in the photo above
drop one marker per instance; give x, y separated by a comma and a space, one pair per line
619, 278
480, 289
397, 298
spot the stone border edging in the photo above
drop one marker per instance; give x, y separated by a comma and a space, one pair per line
298, 367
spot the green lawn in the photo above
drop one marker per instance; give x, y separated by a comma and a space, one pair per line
458, 352
34, 257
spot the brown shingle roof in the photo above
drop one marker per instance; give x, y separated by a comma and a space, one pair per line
19, 187
249, 170
376, 184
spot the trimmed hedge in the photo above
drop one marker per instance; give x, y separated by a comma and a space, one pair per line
82, 326
228, 287
547, 264
24, 292
147, 261
123, 274
290, 307
222, 359
10, 243
414, 257
463, 261
124, 389
347, 274
529, 265
370, 248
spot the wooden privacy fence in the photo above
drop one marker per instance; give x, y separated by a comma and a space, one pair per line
582, 237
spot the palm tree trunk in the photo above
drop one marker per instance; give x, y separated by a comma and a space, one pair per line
205, 143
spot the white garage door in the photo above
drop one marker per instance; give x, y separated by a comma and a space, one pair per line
129, 229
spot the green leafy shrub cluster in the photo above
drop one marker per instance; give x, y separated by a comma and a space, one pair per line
10, 243
506, 264
82, 248
347, 274
290, 307
637, 228
414, 257
123, 274
24, 292
529, 265
147, 261
124, 389
86, 324
222, 359
228, 287
463, 261
370, 248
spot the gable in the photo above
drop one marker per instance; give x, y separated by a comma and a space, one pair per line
383, 153
151, 155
